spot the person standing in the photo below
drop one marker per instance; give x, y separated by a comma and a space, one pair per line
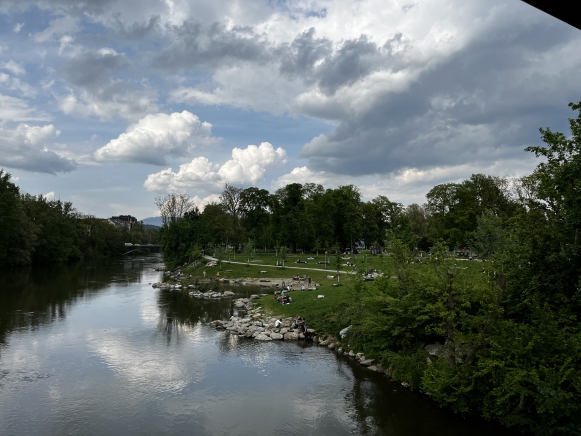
204, 274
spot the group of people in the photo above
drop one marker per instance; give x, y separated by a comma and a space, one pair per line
300, 323
282, 298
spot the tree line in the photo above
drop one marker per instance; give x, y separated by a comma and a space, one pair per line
308, 217
35, 229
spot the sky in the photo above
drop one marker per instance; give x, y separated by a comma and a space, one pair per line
110, 103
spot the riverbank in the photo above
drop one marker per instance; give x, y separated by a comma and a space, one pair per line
324, 314
260, 325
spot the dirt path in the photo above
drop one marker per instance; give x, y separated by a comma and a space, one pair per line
283, 267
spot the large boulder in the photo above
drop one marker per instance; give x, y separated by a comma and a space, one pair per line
291, 336
263, 337
228, 293
366, 362
276, 336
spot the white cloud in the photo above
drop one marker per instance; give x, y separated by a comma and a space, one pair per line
14, 67
116, 100
255, 86
154, 137
57, 28
14, 84
201, 203
27, 147
16, 109
17, 27
49, 195
247, 167
408, 185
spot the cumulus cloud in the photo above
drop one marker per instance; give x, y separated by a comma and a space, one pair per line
154, 137
26, 147
17, 27
246, 167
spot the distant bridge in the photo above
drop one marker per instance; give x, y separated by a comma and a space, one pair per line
136, 247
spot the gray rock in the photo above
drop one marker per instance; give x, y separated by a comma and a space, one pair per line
340, 351
276, 336
291, 336
332, 345
263, 337
324, 343
283, 330
433, 349
343, 332
359, 355
366, 362
351, 353
228, 293
373, 368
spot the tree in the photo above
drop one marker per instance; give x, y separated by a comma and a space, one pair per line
487, 238
256, 209
173, 206
283, 252
231, 199
248, 247
17, 233
219, 254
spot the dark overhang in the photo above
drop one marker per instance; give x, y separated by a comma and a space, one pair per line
564, 10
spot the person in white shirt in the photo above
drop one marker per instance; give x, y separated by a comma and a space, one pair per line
278, 323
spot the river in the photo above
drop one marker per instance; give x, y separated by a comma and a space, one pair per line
91, 348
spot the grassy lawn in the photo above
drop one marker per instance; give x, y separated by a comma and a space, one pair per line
328, 314
324, 315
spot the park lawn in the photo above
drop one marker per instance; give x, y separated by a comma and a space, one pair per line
269, 258
238, 271
326, 315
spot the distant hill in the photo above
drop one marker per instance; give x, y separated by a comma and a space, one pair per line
153, 221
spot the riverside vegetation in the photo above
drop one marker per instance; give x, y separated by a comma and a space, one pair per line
36, 229
499, 338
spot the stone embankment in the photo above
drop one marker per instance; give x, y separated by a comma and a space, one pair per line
261, 327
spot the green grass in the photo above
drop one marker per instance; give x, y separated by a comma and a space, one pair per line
324, 315
327, 315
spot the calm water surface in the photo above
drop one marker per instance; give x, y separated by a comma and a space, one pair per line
92, 348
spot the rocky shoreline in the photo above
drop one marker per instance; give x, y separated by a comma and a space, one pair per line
261, 327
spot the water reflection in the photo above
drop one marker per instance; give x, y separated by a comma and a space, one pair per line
34, 296
91, 348
177, 309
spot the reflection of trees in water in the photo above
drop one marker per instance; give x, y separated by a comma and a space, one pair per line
38, 295
178, 310
380, 406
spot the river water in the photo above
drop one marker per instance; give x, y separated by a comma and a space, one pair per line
91, 348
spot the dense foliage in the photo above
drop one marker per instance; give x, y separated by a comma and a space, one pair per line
34, 229
509, 338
